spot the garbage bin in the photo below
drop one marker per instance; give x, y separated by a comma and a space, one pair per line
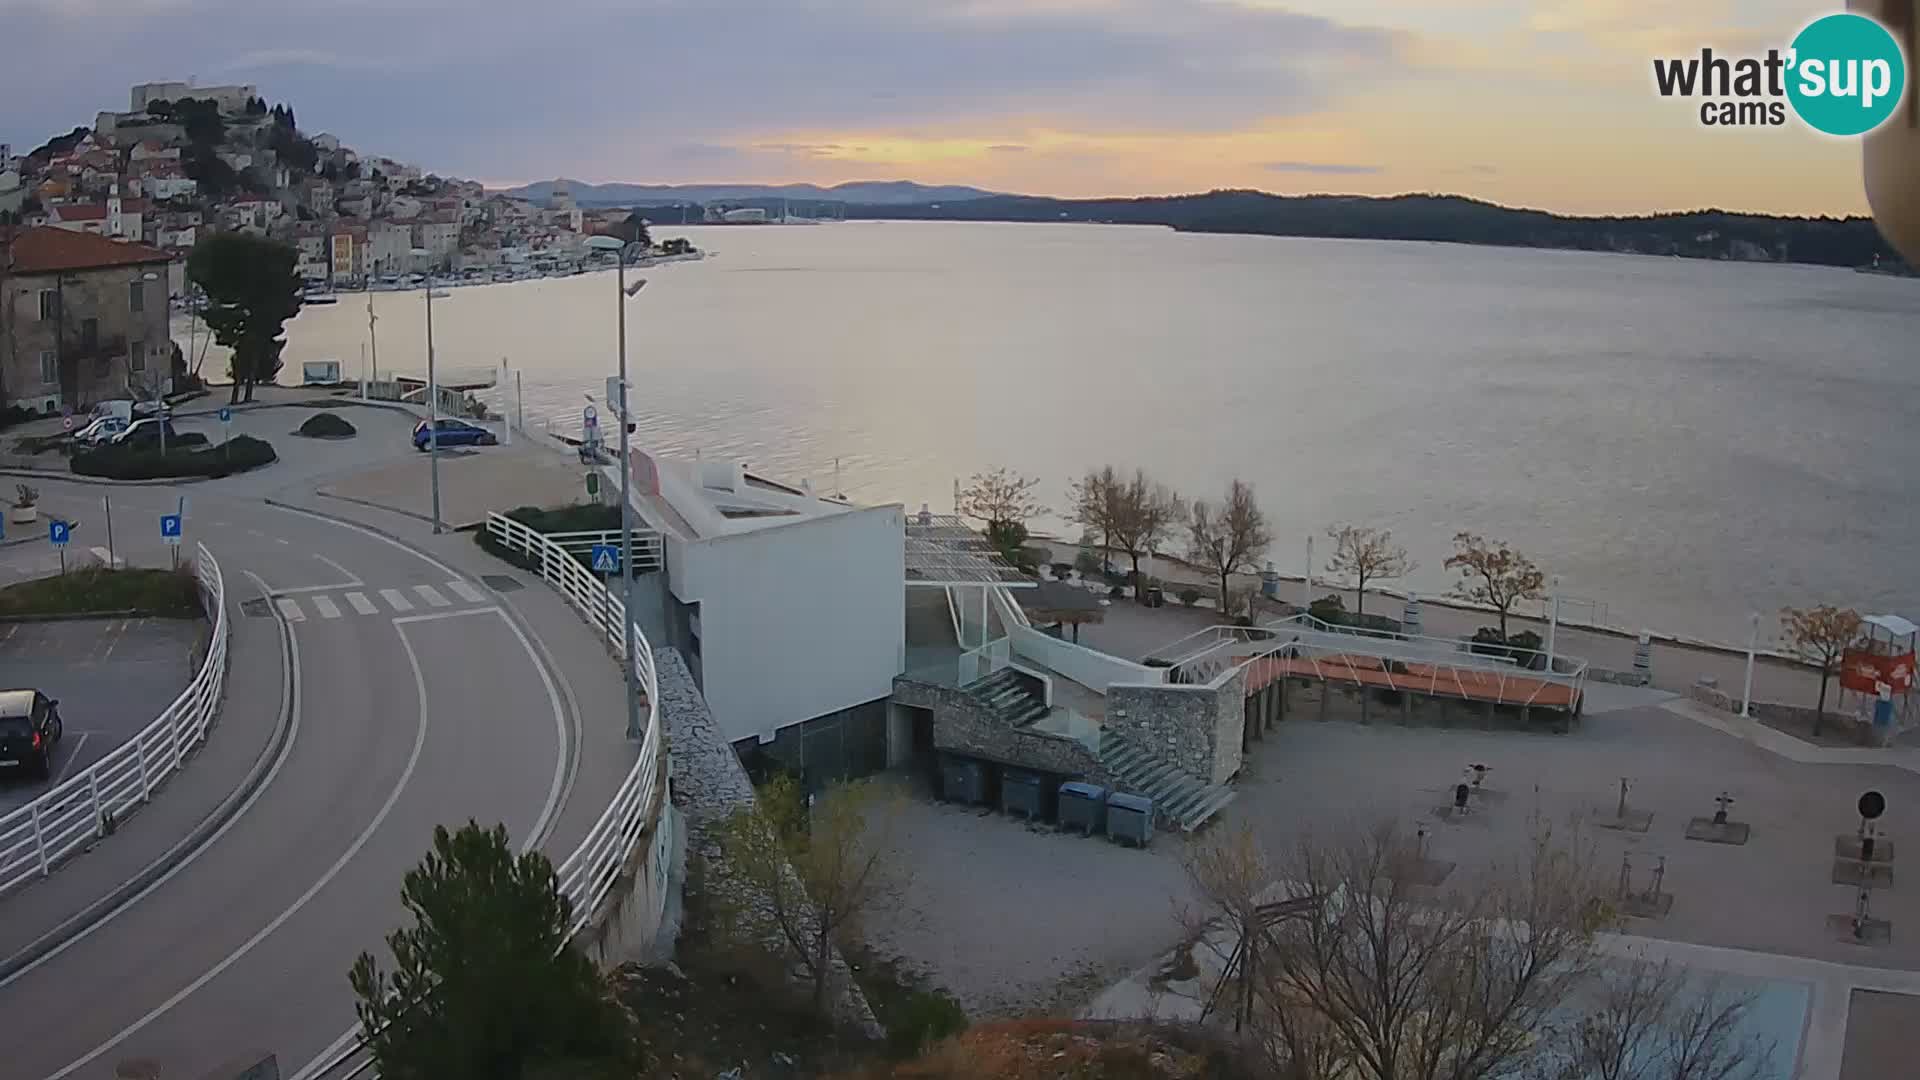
1130, 818
1156, 596
1083, 806
963, 781
1021, 793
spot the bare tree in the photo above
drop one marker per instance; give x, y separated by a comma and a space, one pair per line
1364, 554
1821, 636
1000, 498
1229, 538
1493, 574
1647, 1021
813, 872
1144, 515
1093, 503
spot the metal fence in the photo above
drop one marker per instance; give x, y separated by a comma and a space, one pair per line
648, 554
591, 872
93, 801
588, 875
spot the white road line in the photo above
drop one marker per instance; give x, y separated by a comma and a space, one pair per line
326, 605
71, 758
290, 608
406, 775
396, 599
352, 578
432, 596
290, 704
436, 616
467, 592
361, 604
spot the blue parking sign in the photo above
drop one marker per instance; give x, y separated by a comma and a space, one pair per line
58, 532
606, 559
170, 528
226, 414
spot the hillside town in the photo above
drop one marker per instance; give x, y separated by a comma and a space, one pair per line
92, 222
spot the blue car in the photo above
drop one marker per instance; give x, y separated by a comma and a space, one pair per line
451, 432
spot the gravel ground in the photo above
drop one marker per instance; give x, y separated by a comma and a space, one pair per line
1014, 919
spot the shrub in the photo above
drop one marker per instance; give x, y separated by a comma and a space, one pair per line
1190, 596
1087, 563
1062, 570
1527, 649
96, 588
16, 414
1117, 591
326, 425
183, 459
26, 495
1487, 642
922, 1018
1329, 609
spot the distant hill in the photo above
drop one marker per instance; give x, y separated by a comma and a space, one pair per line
1704, 234
866, 192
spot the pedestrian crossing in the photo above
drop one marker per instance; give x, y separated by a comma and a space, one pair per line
391, 601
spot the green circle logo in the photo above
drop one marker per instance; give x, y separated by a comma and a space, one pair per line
1847, 75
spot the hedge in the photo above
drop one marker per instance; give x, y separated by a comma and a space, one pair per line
326, 425
238, 454
171, 593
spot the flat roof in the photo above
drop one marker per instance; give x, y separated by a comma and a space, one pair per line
944, 550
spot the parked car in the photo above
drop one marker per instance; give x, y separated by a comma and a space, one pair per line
29, 729
99, 431
451, 432
124, 409
144, 432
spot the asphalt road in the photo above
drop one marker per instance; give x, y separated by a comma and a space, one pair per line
418, 702
105, 673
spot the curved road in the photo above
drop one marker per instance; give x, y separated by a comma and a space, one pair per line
415, 701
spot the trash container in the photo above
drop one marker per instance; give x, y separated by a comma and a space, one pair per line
1021, 793
1083, 806
1156, 596
963, 781
1130, 818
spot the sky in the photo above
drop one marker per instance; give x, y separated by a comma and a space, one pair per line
1540, 103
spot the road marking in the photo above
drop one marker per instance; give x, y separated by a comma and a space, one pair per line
361, 604
467, 592
436, 616
326, 606
71, 758
290, 608
282, 540
432, 596
396, 599
352, 578
290, 707
247, 946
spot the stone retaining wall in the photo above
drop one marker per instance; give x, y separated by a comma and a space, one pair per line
1196, 728
962, 724
1789, 715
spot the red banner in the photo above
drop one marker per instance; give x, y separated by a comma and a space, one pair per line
1868, 672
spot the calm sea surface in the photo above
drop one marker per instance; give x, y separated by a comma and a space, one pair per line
1685, 441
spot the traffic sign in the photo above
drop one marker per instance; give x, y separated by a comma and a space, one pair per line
606, 559
226, 415
58, 533
66, 422
170, 528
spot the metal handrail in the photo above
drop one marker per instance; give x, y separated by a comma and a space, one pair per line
91, 803
590, 873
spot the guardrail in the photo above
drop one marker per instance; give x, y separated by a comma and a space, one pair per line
648, 552
92, 802
589, 874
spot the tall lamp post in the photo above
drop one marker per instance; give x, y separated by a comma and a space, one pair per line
433, 401
626, 292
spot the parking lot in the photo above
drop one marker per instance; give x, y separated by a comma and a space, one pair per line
111, 677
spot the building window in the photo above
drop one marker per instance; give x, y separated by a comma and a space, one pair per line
136, 296
89, 333
49, 305
137, 356
50, 368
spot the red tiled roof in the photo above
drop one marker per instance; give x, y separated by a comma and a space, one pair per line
77, 212
47, 249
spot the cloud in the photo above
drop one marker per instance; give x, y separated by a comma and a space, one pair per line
1007, 148
1318, 168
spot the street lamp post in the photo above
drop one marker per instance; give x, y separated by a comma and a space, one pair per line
609, 243
433, 406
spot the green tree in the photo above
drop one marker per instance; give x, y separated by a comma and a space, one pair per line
485, 985
251, 291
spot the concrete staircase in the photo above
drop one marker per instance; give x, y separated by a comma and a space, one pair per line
1178, 796
1011, 697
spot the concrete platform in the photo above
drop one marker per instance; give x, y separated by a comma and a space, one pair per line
472, 482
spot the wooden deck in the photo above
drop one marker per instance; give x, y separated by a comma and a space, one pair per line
1436, 680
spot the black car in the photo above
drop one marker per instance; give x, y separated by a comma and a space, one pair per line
29, 728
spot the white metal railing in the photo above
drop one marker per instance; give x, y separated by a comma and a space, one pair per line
93, 801
982, 661
1090, 668
589, 874
648, 553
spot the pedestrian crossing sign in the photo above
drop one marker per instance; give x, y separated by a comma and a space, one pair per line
606, 559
